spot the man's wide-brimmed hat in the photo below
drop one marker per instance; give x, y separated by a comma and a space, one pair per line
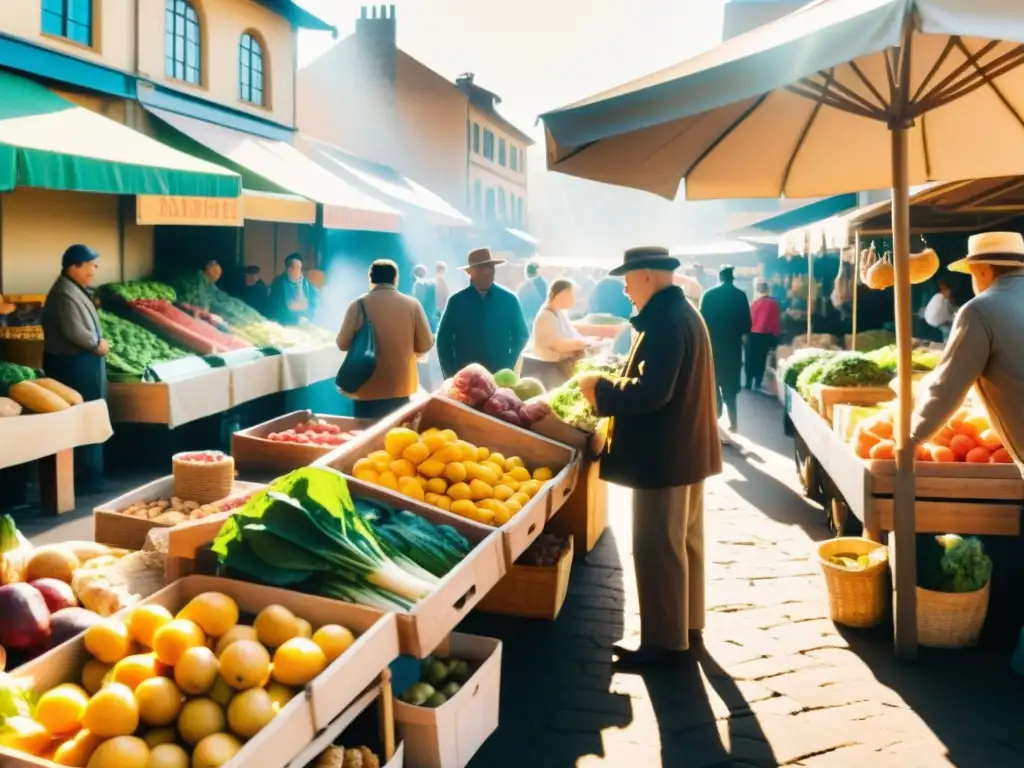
645, 257
481, 257
1000, 249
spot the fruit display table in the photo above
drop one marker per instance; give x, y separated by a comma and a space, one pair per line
965, 498
50, 439
302, 366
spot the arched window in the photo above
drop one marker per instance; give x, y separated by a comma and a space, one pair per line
250, 70
182, 42
69, 18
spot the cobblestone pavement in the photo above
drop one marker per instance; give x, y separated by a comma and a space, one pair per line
777, 682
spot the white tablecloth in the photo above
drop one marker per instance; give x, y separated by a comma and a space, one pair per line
33, 437
302, 366
256, 379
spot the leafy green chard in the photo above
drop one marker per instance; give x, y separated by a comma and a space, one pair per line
132, 347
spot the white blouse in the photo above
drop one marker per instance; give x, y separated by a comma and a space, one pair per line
554, 336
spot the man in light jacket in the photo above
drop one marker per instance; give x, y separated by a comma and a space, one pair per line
401, 333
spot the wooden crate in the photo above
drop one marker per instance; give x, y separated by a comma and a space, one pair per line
826, 398
253, 452
174, 403
303, 717
482, 430
532, 592
585, 514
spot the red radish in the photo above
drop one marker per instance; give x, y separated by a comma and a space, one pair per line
56, 593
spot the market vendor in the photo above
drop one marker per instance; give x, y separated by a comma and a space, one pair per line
292, 297
213, 271
483, 323
74, 347
983, 350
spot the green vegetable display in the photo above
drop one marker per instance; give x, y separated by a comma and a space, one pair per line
133, 290
886, 358
964, 566
853, 370
567, 401
132, 347
11, 374
868, 341
801, 359
305, 532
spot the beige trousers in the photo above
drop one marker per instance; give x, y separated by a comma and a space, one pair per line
668, 555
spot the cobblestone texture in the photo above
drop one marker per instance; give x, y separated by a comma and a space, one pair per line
777, 682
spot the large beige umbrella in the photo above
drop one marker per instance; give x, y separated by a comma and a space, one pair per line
838, 96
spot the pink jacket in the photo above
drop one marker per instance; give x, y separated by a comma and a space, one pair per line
766, 316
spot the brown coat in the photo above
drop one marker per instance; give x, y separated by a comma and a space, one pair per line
401, 333
663, 430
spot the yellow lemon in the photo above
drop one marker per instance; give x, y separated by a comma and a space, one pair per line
408, 486
305, 628
449, 435
367, 475
493, 505
215, 750
333, 640
496, 470
500, 518
431, 468
388, 480
543, 474
145, 621
159, 701
297, 662
363, 464
108, 641
514, 461
437, 485
214, 612
498, 459
459, 492
381, 461
416, 453
280, 695
522, 499
447, 454
403, 468
478, 489
60, 710
112, 712
455, 472
468, 450
512, 506
444, 502
502, 492
519, 474
510, 481
422, 481
398, 439
433, 441
433, 431
464, 508
530, 488
484, 516
431, 498
482, 453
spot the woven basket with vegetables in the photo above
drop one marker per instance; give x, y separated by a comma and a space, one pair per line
952, 609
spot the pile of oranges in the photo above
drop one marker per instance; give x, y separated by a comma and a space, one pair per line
967, 437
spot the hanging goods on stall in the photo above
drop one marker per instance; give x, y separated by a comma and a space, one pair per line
842, 288
361, 360
923, 265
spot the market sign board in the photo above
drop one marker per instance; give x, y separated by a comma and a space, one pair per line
170, 210
343, 217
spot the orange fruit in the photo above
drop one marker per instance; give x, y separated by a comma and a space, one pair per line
214, 612
979, 455
250, 711
200, 718
961, 445
244, 664
298, 661
941, 454
884, 450
108, 641
176, 637
990, 439
239, 632
78, 750
976, 423
94, 674
215, 750
121, 752
196, 671
333, 640
132, 670
60, 710
1002, 456
145, 621
159, 701
112, 712
275, 624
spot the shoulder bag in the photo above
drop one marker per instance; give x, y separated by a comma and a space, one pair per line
361, 360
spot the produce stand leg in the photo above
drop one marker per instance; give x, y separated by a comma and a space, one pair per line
386, 706
57, 483
905, 611
584, 516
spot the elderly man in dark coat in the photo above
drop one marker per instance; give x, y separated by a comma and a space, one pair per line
663, 443
726, 311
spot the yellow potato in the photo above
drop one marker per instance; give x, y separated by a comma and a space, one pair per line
496, 469
416, 453
498, 459
388, 480
460, 492
493, 505
447, 454
519, 474
435, 442
422, 481
513, 506
431, 498
464, 508
522, 499
443, 502
409, 487
513, 462
449, 435
482, 453
436, 485
478, 489
363, 464
455, 472
403, 468
367, 475
468, 450
503, 492
530, 488
398, 439
431, 468
432, 432
543, 474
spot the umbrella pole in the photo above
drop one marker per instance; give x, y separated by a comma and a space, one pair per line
856, 280
904, 523
810, 293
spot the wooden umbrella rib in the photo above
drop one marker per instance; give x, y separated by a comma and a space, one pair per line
936, 66
830, 81
813, 91
890, 72
993, 70
725, 134
924, 148
869, 85
803, 136
954, 80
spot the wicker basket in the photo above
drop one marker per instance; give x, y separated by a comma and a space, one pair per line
855, 598
203, 482
950, 619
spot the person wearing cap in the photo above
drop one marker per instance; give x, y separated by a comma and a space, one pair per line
483, 323
292, 297
662, 441
983, 350
74, 348
532, 293
726, 312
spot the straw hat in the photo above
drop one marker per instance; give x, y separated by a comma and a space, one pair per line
645, 257
481, 257
1000, 249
